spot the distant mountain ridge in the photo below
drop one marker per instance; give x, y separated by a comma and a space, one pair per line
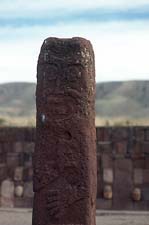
113, 99
129, 99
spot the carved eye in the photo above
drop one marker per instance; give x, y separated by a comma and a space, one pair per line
74, 72
51, 71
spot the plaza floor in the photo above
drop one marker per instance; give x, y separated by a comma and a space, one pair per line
24, 217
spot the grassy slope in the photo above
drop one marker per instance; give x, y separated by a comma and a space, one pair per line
115, 102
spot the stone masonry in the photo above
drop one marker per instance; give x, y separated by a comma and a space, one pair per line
122, 157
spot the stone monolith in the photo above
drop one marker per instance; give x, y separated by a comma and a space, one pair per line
65, 151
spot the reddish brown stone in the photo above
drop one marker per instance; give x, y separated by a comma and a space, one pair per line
65, 152
119, 134
146, 176
137, 151
146, 163
120, 148
123, 184
139, 163
106, 161
103, 204
100, 133
145, 148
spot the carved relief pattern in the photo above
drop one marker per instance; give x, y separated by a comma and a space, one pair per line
64, 159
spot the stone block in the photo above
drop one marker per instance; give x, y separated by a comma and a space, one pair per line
139, 163
8, 147
145, 148
100, 134
145, 193
29, 147
105, 147
146, 134
139, 134
123, 184
2, 157
139, 206
107, 134
146, 163
103, 204
146, 176
108, 175
28, 190
18, 173
19, 191
28, 174
7, 193
138, 176
99, 179
12, 159
3, 171
137, 151
1, 148
119, 134
124, 165
120, 148
23, 202
106, 161
18, 147
27, 159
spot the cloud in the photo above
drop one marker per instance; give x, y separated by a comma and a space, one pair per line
94, 15
40, 8
121, 49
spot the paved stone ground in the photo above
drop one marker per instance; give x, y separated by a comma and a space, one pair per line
24, 217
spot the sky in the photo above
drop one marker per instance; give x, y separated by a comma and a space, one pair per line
118, 30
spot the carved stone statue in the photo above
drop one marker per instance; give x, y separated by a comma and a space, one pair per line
65, 152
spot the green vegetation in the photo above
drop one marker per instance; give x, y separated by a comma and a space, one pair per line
117, 103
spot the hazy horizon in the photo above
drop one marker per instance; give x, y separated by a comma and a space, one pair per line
118, 31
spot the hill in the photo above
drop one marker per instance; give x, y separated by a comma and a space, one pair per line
115, 101
17, 103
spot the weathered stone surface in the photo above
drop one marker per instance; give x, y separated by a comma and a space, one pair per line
28, 190
65, 158
118, 134
18, 173
19, 190
108, 175
138, 176
28, 174
12, 159
107, 192
145, 193
106, 160
146, 163
29, 147
123, 184
146, 176
3, 171
120, 148
103, 204
7, 193
23, 202
18, 147
136, 194
145, 148
139, 163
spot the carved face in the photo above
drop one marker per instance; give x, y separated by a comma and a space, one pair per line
64, 64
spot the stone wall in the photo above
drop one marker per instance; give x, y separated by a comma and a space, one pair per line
123, 167
16, 148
